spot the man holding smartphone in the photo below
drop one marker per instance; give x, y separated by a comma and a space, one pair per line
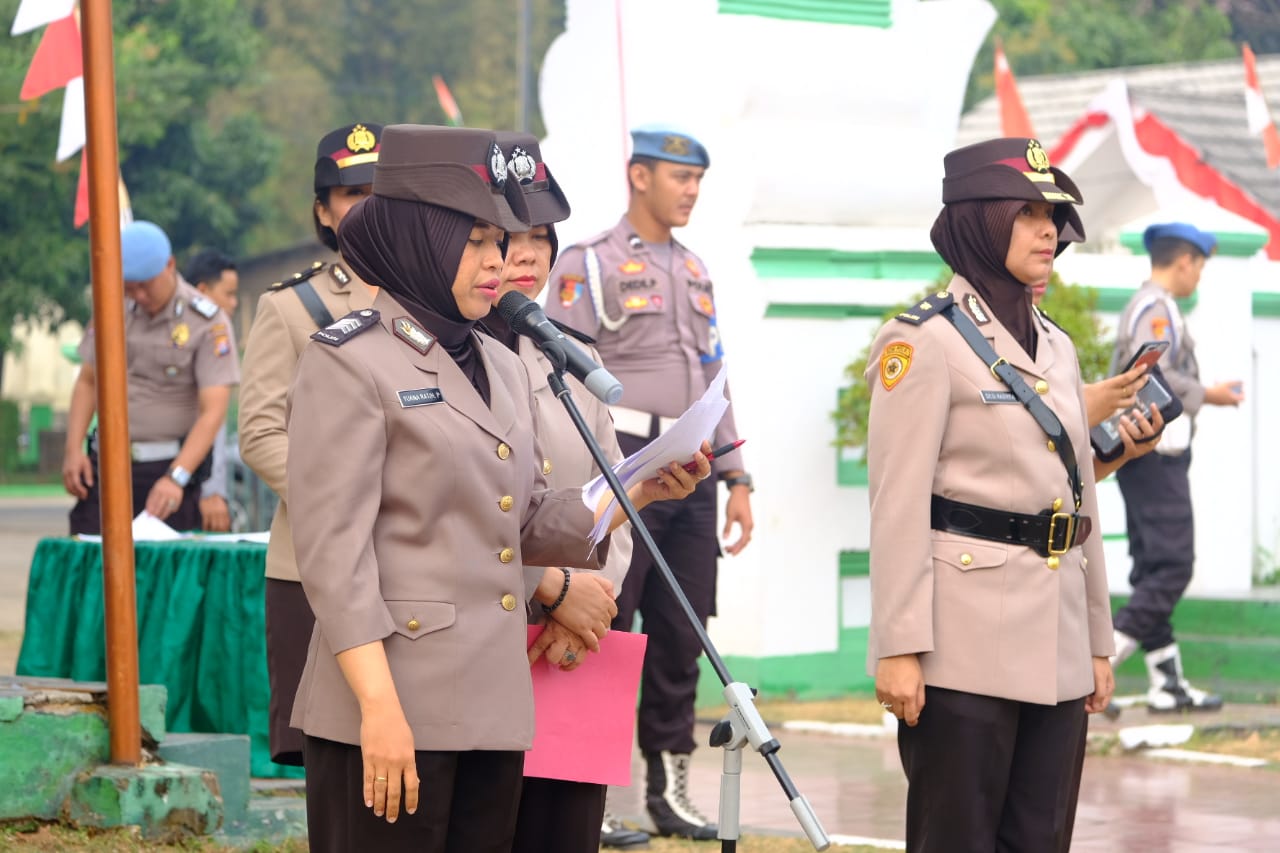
1156, 488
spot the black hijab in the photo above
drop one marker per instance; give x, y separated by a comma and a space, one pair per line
973, 238
412, 250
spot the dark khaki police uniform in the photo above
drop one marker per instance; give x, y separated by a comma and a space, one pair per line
188, 345
282, 327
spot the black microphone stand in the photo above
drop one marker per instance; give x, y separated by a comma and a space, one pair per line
743, 724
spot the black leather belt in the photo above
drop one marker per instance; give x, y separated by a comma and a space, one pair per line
1048, 533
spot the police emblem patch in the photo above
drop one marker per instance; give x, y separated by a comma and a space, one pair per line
412, 334
361, 139
523, 166
1159, 326
631, 266
497, 166
895, 361
1037, 157
705, 305
635, 303
692, 266
570, 289
180, 335
980, 315
676, 145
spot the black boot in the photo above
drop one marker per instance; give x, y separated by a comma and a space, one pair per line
667, 796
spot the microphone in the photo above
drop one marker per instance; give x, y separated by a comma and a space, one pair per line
526, 318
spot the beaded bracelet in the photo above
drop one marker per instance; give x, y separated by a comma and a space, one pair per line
564, 590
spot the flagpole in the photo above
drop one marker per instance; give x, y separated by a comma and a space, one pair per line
114, 478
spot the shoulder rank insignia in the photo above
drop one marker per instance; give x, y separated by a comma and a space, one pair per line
928, 307
412, 334
344, 329
574, 333
204, 306
339, 274
298, 277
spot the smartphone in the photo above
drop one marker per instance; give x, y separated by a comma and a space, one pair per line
1106, 435
1147, 355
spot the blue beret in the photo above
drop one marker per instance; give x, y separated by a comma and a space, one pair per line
144, 250
665, 143
1202, 240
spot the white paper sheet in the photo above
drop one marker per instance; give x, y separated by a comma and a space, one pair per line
146, 528
685, 436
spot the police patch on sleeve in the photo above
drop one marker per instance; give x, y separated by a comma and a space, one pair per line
344, 329
895, 361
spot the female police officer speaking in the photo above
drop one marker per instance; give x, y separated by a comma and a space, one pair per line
990, 616
410, 541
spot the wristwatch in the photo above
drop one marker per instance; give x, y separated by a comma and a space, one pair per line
740, 480
180, 475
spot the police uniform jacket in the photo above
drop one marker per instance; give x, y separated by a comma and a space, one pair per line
413, 507
568, 462
282, 326
188, 345
655, 328
1153, 315
985, 617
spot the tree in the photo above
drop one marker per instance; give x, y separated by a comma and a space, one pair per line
1061, 36
190, 171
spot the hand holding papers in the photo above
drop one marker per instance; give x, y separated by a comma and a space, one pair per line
684, 437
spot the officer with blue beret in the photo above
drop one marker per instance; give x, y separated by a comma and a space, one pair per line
649, 302
181, 366
1156, 489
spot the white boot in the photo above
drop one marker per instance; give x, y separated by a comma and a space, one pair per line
1169, 690
1125, 646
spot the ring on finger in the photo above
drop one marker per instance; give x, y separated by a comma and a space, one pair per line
569, 657
888, 706
379, 778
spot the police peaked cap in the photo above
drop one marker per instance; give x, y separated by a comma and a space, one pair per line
460, 168
345, 157
546, 201
1013, 168
665, 143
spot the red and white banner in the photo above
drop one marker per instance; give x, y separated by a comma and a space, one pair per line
1259, 116
1014, 120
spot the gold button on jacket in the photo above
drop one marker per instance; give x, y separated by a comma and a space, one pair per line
506, 555
506, 503
413, 624
508, 602
546, 466
503, 450
1042, 387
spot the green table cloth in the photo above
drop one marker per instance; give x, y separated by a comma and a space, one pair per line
201, 631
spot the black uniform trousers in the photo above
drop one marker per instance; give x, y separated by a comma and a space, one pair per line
466, 804
289, 624
989, 775
1157, 508
685, 532
559, 817
86, 515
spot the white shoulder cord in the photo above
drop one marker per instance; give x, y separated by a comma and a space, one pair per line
594, 278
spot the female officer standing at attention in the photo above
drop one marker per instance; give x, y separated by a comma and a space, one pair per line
558, 816
991, 622
410, 542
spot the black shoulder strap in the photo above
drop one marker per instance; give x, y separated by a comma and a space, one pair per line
1008, 374
312, 302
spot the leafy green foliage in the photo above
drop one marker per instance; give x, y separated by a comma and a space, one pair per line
1071, 306
1061, 36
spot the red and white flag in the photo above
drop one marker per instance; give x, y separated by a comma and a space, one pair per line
1259, 116
57, 59
34, 14
1014, 120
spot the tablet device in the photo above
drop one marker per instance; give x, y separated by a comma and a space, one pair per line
1105, 437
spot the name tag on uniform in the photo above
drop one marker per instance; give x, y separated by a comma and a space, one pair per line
420, 397
990, 397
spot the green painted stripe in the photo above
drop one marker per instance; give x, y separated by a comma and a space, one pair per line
32, 490
863, 13
832, 263
821, 675
850, 471
822, 311
855, 564
1266, 304
1234, 244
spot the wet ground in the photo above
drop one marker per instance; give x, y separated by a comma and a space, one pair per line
1128, 802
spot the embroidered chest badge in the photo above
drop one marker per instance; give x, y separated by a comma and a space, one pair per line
979, 313
412, 334
631, 267
570, 289
895, 361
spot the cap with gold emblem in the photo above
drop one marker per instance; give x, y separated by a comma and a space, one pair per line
345, 156
1013, 168
665, 143
460, 168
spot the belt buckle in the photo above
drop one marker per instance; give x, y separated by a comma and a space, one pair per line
1067, 538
